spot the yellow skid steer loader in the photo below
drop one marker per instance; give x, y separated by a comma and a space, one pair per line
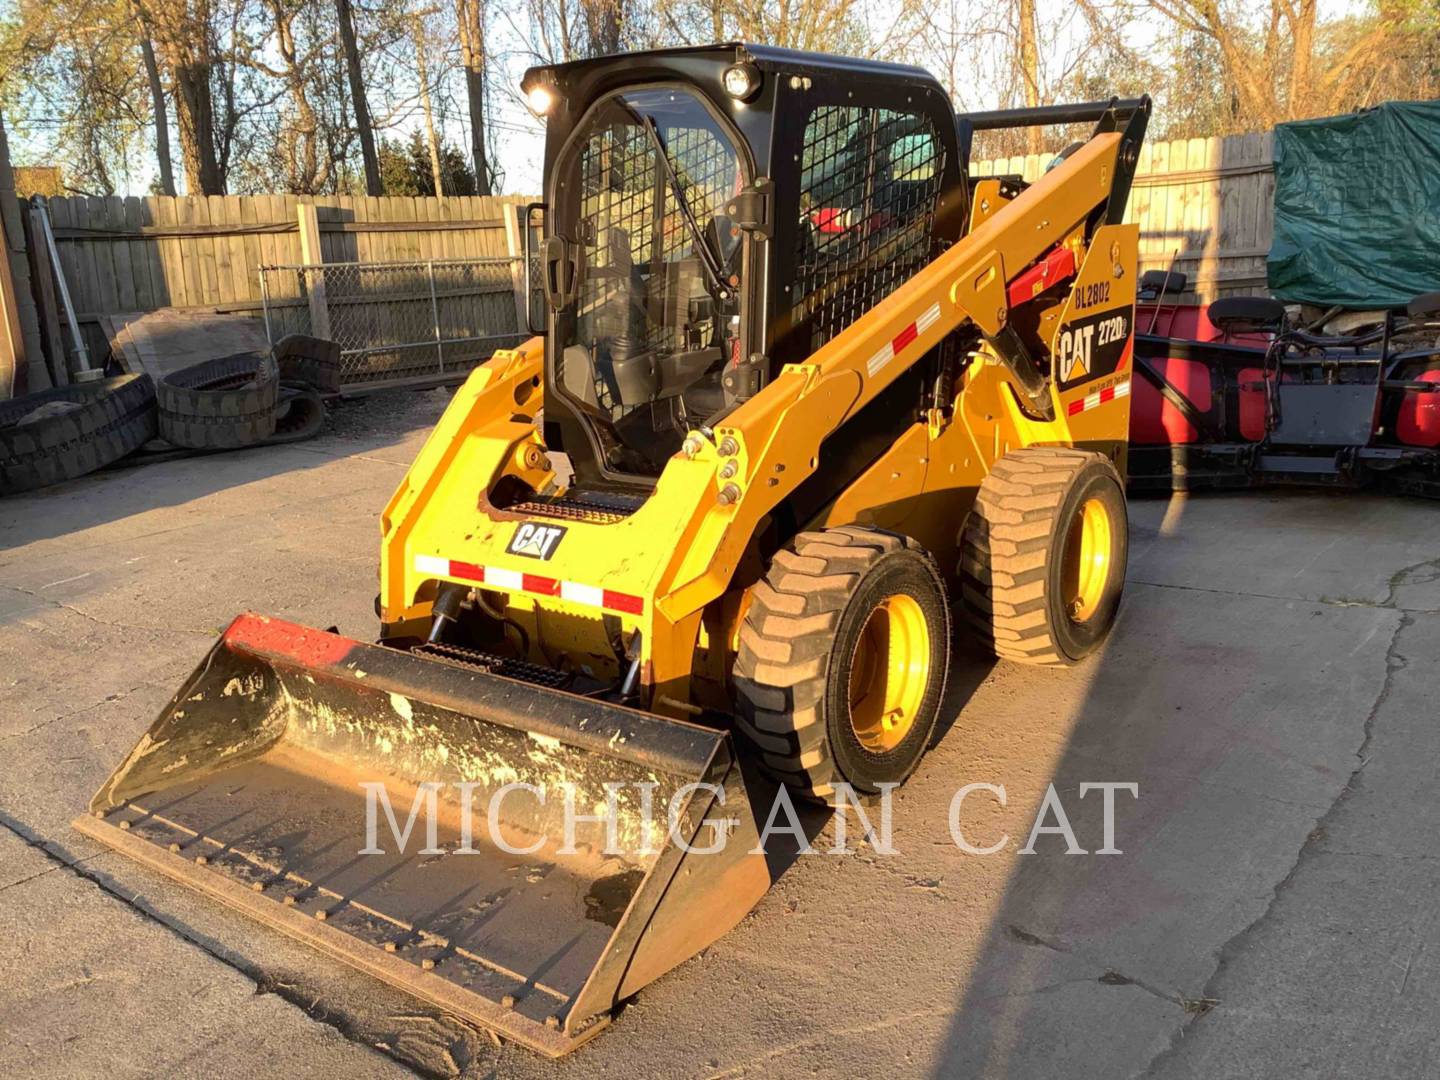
803, 391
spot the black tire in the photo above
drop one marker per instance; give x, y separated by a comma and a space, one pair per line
1022, 548
309, 360
112, 417
222, 404
808, 625
299, 415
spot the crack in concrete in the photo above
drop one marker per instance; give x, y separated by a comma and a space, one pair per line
264, 982
338, 454
1109, 974
1324, 601
1394, 664
110, 624
62, 717
62, 865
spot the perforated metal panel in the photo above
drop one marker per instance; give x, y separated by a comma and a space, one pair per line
870, 179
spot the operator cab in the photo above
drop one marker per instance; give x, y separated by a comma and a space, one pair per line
712, 214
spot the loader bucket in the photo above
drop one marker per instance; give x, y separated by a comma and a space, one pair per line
250, 788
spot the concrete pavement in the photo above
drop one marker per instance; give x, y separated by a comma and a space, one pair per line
1268, 689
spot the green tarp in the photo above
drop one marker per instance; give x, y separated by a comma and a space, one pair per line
1357, 207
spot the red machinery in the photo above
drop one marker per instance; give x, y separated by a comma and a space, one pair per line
1229, 395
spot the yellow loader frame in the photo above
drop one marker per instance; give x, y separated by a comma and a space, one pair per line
681, 551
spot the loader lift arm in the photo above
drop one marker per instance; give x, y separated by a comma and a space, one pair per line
778, 434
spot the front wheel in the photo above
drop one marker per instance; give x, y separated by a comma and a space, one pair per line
1043, 553
842, 661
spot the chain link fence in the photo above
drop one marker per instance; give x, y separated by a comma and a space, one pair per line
408, 323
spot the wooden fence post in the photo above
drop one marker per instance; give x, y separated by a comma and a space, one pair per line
42, 281
311, 255
516, 224
20, 351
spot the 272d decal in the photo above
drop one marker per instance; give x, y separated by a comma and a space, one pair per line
1091, 347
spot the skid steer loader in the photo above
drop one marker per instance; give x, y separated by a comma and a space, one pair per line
803, 392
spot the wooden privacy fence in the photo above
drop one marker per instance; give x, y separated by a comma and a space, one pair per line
1205, 207
126, 255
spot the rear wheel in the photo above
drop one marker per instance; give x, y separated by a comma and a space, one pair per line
842, 661
1043, 554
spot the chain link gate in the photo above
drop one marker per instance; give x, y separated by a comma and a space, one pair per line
398, 323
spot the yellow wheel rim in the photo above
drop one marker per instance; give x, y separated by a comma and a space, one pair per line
1089, 548
889, 671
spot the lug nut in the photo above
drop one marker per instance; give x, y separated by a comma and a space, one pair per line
728, 494
125, 825
428, 964
729, 469
390, 946
508, 1001
175, 849
322, 914
201, 860
257, 886
729, 447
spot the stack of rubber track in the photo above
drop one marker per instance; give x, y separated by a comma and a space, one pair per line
246, 399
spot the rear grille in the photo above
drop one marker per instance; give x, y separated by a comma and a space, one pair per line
494, 665
591, 510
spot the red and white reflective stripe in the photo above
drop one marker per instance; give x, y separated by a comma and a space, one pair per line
1100, 397
927, 319
507, 580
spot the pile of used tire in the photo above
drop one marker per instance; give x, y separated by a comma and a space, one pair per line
248, 399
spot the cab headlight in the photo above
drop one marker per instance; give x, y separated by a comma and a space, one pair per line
742, 81
540, 99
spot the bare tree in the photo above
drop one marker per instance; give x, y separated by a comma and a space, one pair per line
157, 101
604, 20
364, 129
1281, 62
186, 38
75, 65
426, 105
1028, 54
307, 169
470, 18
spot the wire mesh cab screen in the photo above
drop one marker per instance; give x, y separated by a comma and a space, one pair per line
869, 182
656, 315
